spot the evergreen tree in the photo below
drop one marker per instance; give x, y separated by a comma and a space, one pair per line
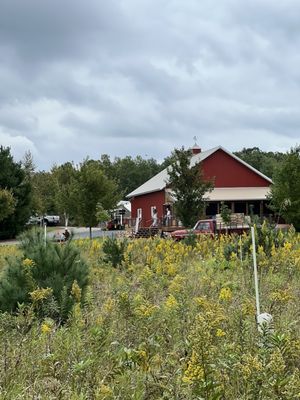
13, 179
188, 187
28, 164
46, 274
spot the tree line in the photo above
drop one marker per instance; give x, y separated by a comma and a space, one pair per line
82, 192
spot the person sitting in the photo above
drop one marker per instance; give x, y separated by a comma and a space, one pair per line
66, 234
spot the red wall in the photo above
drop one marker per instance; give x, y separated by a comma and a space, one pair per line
145, 202
228, 172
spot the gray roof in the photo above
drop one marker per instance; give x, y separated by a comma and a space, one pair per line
159, 181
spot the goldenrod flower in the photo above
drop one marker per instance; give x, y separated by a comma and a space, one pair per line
145, 310
28, 263
105, 390
171, 303
109, 305
194, 371
47, 326
281, 296
177, 284
220, 333
76, 291
45, 329
225, 294
40, 294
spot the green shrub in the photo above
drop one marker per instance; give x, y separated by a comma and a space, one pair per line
190, 239
114, 251
49, 276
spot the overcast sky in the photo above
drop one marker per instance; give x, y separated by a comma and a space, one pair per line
129, 77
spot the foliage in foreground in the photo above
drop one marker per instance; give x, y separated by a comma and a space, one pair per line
175, 322
114, 251
49, 276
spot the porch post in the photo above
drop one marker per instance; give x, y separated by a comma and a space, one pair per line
261, 208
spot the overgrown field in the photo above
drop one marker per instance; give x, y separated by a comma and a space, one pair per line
171, 321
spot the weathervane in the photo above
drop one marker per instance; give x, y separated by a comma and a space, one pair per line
195, 139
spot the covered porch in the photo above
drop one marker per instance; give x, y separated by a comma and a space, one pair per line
244, 200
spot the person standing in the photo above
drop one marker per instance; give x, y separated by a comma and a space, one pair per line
154, 218
168, 217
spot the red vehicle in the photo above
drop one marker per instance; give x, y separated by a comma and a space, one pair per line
208, 227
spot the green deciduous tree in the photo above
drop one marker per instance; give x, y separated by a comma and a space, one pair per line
7, 203
64, 177
128, 172
13, 179
93, 187
265, 162
188, 187
285, 192
225, 213
43, 187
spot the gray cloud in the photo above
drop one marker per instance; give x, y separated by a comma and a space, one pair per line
142, 76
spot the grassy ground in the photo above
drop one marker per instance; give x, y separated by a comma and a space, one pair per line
173, 321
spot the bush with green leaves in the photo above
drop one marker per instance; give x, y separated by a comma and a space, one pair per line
50, 276
190, 239
114, 251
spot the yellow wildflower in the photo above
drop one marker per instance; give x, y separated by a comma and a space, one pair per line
146, 274
76, 291
194, 371
225, 294
41, 294
277, 363
177, 284
45, 329
171, 303
145, 310
201, 301
287, 246
281, 295
104, 392
250, 365
248, 308
171, 269
109, 305
220, 333
28, 263
47, 326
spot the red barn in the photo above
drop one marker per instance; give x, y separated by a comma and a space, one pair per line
237, 184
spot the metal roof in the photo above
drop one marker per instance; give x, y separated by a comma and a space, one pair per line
159, 181
238, 194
